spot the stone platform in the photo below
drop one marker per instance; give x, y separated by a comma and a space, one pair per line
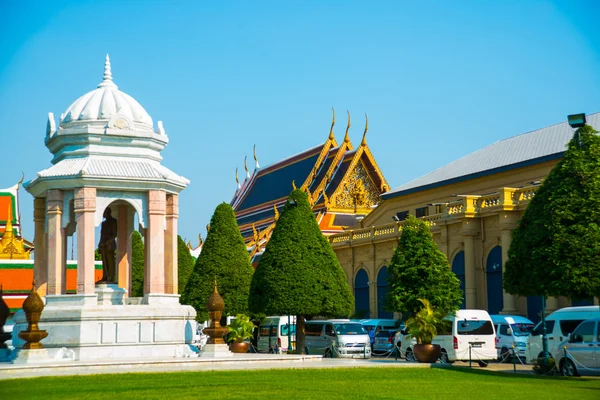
99, 326
237, 361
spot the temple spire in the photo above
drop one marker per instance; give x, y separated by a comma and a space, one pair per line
8, 230
256, 166
331, 137
364, 138
347, 138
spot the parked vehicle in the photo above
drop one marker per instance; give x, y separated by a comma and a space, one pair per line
337, 338
384, 341
559, 325
511, 331
273, 334
467, 335
384, 324
582, 348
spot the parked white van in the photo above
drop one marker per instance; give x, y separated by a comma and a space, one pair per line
348, 339
469, 334
512, 330
559, 325
273, 334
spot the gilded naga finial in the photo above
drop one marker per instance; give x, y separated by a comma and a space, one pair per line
237, 179
21, 181
256, 166
276, 212
347, 137
331, 137
364, 139
246, 167
294, 185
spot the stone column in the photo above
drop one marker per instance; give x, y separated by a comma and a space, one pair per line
508, 222
85, 208
54, 249
154, 266
123, 253
40, 271
171, 246
469, 231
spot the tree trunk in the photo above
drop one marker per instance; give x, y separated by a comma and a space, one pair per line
300, 334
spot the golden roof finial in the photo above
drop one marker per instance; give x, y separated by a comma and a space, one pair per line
237, 179
200, 241
347, 138
246, 167
276, 212
331, 137
294, 185
8, 230
256, 166
364, 139
207, 228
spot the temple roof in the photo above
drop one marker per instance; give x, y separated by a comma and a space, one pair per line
518, 151
322, 171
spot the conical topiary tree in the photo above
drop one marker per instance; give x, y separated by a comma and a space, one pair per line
185, 264
420, 270
137, 265
299, 273
555, 250
224, 256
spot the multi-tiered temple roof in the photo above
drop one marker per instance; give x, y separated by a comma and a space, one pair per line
343, 184
12, 245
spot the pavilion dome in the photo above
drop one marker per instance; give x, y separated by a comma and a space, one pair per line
104, 104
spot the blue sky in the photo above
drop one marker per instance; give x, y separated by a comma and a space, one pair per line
437, 79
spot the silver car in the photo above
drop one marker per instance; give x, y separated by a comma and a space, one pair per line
580, 353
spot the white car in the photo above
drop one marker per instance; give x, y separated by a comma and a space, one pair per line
579, 354
468, 335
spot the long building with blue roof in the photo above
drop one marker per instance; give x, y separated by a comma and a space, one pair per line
472, 205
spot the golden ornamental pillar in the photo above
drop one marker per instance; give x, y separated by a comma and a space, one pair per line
469, 231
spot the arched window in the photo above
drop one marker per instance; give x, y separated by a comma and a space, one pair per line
458, 267
362, 307
495, 295
382, 291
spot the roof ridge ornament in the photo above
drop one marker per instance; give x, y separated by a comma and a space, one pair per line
364, 138
256, 166
246, 167
331, 137
107, 78
347, 138
237, 179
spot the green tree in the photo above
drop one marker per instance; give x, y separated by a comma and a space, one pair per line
224, 256
420, 270
137, 265
185, 264
555, 250
299, 273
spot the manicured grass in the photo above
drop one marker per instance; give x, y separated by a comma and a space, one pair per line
351, 383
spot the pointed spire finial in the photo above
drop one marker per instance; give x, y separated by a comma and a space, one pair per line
107, 79
237, 179
331, 137
8, 229
347, 138
246, 167
364, 139
256, 166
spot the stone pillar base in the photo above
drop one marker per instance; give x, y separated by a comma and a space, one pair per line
110, 294
72, 300
35, 356
161, 299
215, 351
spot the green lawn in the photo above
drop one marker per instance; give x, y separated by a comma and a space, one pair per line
357, 383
